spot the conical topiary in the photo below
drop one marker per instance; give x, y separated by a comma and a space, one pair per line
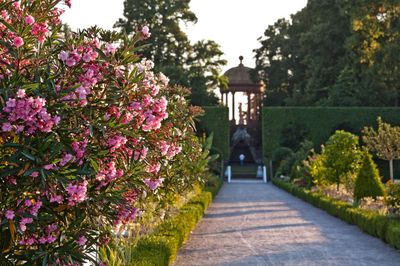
368, 182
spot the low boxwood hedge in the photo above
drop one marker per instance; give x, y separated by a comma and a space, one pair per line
384, 227
162, 246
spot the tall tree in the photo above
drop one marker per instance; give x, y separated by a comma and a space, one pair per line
197, 66
377, 37
334, 53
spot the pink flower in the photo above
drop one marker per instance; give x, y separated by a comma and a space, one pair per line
76, 192
56, 198
35, 208
18, 42
81, 241
29, 20
153, 184
21, 93
35, 174
70, 62
10, 214
49, 166
110, 48
30, 241
67, 157
6, 127
146, 32
154, 168
63, 56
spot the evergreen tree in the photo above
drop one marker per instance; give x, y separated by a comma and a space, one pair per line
368, 182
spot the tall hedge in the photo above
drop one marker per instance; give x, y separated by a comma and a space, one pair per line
216, 119
319, 123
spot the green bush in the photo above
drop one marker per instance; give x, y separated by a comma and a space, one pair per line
216, 119
161, 246
342, 156
375, 224
319, 123
392, 199
279, 155
368, 183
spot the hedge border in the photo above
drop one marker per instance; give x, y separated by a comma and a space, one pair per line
216, 119
162, 246
372, 223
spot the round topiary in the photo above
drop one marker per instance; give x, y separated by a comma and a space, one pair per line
281, 154
368, 182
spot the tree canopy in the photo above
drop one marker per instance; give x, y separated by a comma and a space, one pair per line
333, 53
193, 65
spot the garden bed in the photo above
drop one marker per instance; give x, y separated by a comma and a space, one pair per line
371, 222
162, 245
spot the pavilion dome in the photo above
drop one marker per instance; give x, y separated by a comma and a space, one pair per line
240, 75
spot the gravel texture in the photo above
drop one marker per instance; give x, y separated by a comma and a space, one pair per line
259, 224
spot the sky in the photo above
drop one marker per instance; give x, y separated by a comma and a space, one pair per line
234, 24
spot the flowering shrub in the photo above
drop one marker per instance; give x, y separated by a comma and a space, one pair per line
88, 133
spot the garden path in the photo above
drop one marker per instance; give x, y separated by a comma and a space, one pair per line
258, 224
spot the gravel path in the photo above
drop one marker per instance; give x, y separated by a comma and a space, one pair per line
259, 224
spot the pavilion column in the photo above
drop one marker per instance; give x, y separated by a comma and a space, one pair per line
255, 107
222, 98
248, 107
226, 98
233, 106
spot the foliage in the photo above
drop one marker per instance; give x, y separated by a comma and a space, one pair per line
376, 39
333, 53
342, 156
392, 199
368, 182
375, 224
293, 135
161, 247
316, 167
90, 136
196, 66
319, 123
280, 154
385, 142
299, 169
216, 120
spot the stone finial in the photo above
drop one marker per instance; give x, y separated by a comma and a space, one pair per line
241, 60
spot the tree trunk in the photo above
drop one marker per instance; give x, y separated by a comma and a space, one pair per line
391, 170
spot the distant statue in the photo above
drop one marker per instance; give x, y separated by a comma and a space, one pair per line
241, 134
241, 115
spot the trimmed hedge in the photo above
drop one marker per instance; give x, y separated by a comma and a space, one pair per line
320, 123
386, 228
162, 246
216, 119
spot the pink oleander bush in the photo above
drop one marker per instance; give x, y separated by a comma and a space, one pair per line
88, 135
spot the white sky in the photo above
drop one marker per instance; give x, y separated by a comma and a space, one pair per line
234, 24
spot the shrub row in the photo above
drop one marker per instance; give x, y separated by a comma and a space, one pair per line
161, 247
384, 227
216, 119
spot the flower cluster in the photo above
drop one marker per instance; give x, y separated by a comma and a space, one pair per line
27, 115
88, 133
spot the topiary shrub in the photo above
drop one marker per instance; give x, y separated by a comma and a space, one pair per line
368, 183
341, 160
